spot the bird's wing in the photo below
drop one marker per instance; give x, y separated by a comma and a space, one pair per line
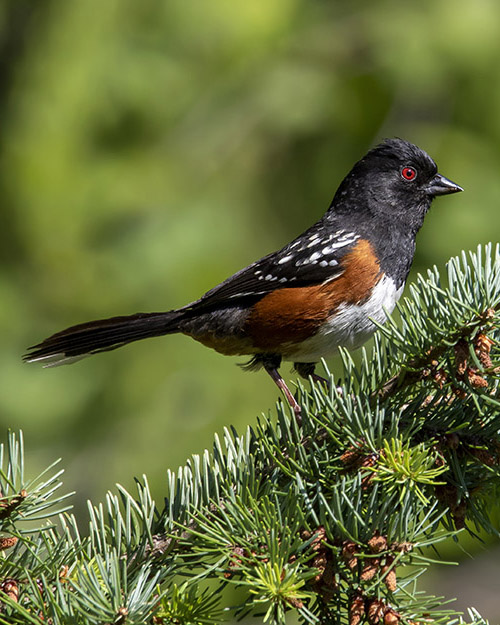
312, 258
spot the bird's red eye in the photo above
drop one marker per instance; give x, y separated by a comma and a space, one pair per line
409, 173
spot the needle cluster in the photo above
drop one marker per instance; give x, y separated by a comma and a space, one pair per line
326, 521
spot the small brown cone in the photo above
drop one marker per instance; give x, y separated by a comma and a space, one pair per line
376, 611
356, 610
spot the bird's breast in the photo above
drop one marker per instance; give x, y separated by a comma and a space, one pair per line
350, 326
293, 315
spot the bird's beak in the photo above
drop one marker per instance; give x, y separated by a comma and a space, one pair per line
440, 185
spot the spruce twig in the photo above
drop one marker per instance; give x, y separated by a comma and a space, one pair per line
331, 520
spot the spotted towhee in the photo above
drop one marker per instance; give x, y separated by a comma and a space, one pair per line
317, 293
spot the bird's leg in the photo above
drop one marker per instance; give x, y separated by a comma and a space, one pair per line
306, 371
281, 384
271, 362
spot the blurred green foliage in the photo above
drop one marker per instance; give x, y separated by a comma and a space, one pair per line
149, 149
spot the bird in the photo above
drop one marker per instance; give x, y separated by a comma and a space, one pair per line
328, 288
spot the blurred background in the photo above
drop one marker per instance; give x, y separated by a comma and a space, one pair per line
150, 149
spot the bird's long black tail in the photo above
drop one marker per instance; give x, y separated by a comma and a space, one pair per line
102, 335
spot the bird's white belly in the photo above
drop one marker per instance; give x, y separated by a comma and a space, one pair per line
351, 325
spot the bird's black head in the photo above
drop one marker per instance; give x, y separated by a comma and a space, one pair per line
396, 179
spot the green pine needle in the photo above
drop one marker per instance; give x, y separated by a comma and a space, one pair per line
322, 519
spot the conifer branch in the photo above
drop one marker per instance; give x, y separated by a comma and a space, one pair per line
330, 519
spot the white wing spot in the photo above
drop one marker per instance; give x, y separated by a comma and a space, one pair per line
323, 263
339, 244
285, 259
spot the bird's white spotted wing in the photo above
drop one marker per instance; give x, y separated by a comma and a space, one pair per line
313, 258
